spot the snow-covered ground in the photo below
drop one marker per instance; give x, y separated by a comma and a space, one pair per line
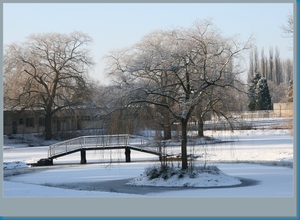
253, 163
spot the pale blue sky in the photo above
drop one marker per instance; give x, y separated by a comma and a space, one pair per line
115, 25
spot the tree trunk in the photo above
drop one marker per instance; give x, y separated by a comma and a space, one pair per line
200, 127
184, 144
167, 133
167, 128
48, 126
166, 121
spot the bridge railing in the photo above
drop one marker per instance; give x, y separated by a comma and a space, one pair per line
65, 146
143, 144
100, 141
96, 141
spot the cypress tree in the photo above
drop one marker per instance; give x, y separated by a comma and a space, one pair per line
263, 101
252, 94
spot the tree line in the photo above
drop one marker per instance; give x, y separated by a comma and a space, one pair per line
275, 76
170, 77
271, 66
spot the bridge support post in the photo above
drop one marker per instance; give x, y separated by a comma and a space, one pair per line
83, 156
127, 154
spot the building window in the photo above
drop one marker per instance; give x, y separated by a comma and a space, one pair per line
42, 121
86, 118
21, 121
29, 122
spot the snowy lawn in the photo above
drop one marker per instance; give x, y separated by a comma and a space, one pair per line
241, 163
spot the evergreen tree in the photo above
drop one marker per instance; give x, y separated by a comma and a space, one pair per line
252, 91
277, 72
259, 95
263, 101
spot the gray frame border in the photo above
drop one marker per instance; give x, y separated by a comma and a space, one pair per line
155, 207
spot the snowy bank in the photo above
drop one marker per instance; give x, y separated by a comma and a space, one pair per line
210, 176
14, 165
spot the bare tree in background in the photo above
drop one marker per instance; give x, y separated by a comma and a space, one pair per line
271, 64
49, 72
219, 104
172, 69
288, 29
263, 64
288, 70
277, 71
278, 67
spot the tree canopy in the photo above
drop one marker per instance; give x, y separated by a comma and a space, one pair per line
176, 68
47, 72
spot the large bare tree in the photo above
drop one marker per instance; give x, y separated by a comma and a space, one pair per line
47, 72
174, 68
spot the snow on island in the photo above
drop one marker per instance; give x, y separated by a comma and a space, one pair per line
209, 176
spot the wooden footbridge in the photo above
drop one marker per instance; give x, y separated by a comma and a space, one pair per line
100, 142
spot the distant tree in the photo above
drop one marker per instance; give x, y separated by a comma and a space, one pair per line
290, 92
259, 95
253, 63
270, 75
256, 60
278, 73
288, 29
252, 93
263, 62
288, 69
163, 119
263, 101
278, 92
47, 72
278, 67
251, 67
219, 103
204, 109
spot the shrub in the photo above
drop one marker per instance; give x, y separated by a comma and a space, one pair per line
165, 172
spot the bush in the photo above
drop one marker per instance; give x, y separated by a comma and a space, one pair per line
208, 169
153, 172
166, 172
